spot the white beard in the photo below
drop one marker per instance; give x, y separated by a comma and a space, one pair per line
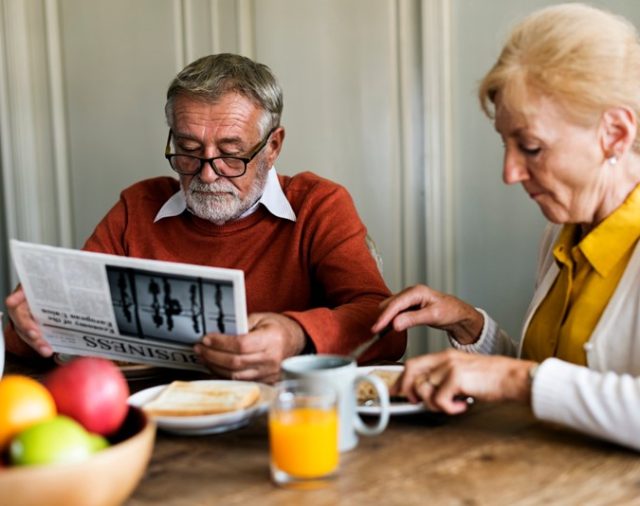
220, 209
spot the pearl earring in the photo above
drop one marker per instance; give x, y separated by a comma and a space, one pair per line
612, 160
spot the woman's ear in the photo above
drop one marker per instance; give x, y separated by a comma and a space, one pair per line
618, 130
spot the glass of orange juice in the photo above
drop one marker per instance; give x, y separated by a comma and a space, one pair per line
303, 434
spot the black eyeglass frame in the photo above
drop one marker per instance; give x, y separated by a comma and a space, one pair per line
211, 161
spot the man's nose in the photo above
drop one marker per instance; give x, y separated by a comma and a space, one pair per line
207, 174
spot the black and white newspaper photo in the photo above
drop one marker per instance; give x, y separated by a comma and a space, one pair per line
128, 309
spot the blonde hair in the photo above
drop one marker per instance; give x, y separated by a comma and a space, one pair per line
585, 58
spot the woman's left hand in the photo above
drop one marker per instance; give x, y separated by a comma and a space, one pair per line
443, 380
422, 305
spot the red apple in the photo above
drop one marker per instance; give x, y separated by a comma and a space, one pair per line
92, 391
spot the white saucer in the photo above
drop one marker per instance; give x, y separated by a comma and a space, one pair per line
206, 424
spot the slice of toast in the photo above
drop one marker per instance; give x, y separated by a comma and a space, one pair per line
366, 392
188, 398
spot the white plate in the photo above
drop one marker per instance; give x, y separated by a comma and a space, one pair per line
205, 424
396, 408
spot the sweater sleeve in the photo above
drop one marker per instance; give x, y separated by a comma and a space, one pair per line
605, 405
347, 285
492, 341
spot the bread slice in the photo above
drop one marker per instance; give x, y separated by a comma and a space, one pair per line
188, 398
366, 392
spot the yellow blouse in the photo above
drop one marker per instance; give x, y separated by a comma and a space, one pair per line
590, 270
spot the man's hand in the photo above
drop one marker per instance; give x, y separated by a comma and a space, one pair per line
255, 356
439, 310
25, 326
442, 380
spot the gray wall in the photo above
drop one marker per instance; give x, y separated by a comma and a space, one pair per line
96, 73
4, 258
497, 227
83, 96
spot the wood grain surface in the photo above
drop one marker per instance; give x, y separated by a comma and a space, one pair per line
492, 455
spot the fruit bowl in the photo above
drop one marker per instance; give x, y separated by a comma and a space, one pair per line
106, 478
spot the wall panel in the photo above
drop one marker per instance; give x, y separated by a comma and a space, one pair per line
350, 71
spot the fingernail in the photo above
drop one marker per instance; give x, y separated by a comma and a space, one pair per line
197, 349
206, 341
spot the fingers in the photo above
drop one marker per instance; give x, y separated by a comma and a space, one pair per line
425, 389
394, 308
254, 356
245, 344
16, 298
24, 324
239, 367
434, 380
415, 371
235, 357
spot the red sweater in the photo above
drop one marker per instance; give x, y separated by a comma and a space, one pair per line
317, 270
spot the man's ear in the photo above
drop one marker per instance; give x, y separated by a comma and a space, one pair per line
618, 130
275, 145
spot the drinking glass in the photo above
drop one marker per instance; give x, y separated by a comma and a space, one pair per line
303, 435
342, 374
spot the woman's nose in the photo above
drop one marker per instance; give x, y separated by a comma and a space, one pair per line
514, 168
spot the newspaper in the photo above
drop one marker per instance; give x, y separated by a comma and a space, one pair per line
128, 309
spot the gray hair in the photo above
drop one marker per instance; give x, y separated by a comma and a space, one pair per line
211, 77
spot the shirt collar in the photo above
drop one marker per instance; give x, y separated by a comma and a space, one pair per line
273, 199
612, 238
608, 242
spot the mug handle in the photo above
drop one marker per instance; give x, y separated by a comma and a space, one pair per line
383, 396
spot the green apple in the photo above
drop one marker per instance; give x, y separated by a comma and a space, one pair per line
59, 439
98, 442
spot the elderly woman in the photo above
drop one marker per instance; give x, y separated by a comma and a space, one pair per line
565, 98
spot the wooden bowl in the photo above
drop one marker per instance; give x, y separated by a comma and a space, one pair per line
106, 478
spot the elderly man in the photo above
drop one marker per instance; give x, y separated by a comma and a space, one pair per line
312, 284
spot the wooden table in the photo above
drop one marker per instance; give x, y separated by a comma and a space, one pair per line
493, 455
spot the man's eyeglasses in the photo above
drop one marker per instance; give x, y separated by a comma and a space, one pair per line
225, 166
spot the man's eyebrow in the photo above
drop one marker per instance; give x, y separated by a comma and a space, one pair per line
185, 135
233, 140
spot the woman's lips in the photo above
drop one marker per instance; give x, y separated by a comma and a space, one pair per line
534, 194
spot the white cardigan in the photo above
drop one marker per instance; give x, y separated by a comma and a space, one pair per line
603, 399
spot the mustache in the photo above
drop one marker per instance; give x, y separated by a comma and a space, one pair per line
221, 185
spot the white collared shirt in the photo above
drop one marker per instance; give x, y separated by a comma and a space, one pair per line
273, 198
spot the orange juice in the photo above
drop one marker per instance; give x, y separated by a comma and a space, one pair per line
304, 441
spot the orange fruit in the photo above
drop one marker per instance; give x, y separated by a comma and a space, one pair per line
23, 402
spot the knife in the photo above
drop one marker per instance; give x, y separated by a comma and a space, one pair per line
357, 353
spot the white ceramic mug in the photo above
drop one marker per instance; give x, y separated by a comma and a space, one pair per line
1, 346
342, 373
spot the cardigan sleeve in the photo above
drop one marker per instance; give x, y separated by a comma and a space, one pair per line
602, 404
492, 341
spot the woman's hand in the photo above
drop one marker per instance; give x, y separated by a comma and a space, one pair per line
443, 380
420, 305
